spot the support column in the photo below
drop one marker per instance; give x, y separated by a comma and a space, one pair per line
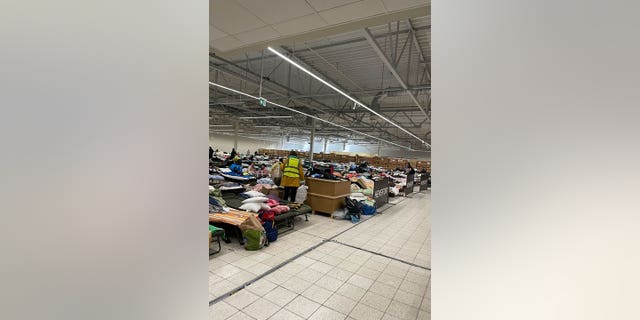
282, 142
324, 149
313, 133
378, 149
235, 136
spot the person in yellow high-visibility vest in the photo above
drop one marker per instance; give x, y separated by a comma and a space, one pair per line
292, 174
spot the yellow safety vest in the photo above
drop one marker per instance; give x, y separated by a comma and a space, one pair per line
291, 169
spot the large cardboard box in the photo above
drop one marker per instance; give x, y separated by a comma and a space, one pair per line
328, 187
325, 204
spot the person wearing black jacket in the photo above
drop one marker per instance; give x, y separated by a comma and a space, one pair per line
409, 169
210, 153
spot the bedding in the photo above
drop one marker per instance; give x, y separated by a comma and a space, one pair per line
237, 178
254, 207
233, 217
256, 199
253, 193
266, 181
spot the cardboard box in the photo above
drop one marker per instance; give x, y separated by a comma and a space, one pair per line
328, 187
325, 204
367, 184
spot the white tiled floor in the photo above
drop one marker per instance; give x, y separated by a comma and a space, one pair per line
333, 281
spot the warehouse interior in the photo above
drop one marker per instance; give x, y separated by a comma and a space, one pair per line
340, 89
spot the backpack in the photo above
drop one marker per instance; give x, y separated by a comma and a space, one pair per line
353, 206
270, 230
368, 210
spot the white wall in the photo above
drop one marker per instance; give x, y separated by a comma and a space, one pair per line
225, 143
385, 151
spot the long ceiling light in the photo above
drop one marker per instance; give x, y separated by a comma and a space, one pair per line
310, 116
267, 117
345, 95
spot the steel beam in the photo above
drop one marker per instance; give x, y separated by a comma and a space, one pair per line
247, 79
332, 45
385, 60
415, 41
313, 138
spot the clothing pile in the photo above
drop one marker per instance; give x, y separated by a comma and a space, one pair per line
260, 186
216, 194
265, 181
216, 177
230, 186
215, 206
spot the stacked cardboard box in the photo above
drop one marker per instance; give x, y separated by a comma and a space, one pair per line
327, 196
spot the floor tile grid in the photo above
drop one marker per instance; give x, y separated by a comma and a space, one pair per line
398, 295
233, 259
245, 264
395, 295
302, 290
359, 301
316, 282
372, 258
383, 235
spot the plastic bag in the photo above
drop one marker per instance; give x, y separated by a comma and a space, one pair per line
301, 195
253, 233
340, 214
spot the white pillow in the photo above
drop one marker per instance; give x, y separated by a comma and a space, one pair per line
251, 207
253, 193
256, 199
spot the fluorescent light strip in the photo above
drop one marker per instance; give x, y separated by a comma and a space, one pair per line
267, 117
220, 125
344, 94
311, 116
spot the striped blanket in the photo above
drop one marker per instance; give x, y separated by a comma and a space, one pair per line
233, 217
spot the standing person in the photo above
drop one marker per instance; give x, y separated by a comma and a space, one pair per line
210, 153
409, 169
292, 175
233, 153
276, 172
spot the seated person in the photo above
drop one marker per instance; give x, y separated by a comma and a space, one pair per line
236, 167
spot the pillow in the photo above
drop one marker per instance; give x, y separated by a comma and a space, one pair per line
255, 199
251, 207
254, 194
264, 206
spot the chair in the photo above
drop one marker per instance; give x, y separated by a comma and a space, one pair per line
215, 233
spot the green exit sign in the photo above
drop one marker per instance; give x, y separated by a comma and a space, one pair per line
263, 102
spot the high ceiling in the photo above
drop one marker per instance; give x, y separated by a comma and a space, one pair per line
367, 49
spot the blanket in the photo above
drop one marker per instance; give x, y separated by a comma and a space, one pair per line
233, 217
